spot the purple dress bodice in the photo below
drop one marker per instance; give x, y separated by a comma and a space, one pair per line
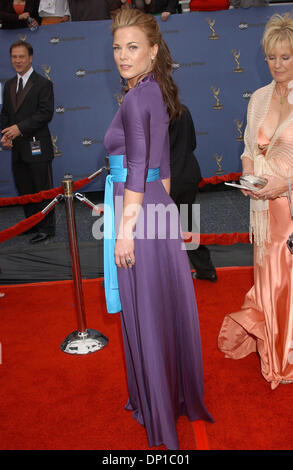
139, 131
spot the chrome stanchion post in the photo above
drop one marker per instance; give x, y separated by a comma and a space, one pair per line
67, 184
83, 340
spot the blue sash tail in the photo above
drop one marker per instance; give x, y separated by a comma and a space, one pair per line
117, 174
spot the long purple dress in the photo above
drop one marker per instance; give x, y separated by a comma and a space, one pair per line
159, 318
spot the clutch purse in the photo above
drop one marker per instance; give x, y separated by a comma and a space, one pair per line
253, 182
249, 182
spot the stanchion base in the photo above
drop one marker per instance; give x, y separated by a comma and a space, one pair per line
84, 342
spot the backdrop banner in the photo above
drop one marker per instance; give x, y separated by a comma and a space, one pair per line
218, 60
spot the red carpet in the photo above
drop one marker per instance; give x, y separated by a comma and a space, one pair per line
53, 400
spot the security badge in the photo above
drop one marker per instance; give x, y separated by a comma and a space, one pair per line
35, 147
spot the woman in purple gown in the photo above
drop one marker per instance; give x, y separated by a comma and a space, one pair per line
158, 307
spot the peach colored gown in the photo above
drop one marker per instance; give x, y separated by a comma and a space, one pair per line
265, 322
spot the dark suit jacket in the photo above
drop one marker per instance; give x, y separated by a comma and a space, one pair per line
185, 170
85, 10
165, 5
32, 115
9, 18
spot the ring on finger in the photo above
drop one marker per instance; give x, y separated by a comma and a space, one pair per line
128, 261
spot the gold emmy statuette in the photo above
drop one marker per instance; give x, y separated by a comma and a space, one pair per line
219, 158
211, 26
236, 55
47, 70
119, 99
239, 129
57, 152
22, 38
216, 92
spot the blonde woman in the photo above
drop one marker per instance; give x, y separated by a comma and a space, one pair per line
265, 322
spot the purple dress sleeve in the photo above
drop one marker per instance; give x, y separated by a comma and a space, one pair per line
136, 124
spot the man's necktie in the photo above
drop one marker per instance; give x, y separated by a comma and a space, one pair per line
20, 89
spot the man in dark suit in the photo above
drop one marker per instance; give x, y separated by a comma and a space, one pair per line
28, 107
185, 178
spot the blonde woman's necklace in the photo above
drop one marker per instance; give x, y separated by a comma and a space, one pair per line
280, 96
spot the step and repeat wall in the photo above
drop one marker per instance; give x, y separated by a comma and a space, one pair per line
219, 63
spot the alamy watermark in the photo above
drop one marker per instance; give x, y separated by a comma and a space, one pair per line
150, 222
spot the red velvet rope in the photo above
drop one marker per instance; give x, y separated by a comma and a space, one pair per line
21, 227
216, 238
223, 238
52, 193
38, 197
205, 239
220, 179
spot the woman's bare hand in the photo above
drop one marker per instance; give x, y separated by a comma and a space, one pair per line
124, 252
275, 186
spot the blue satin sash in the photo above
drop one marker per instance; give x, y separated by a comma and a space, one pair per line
117, 174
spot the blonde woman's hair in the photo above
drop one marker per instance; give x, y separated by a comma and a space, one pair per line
278, 28
162, 66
